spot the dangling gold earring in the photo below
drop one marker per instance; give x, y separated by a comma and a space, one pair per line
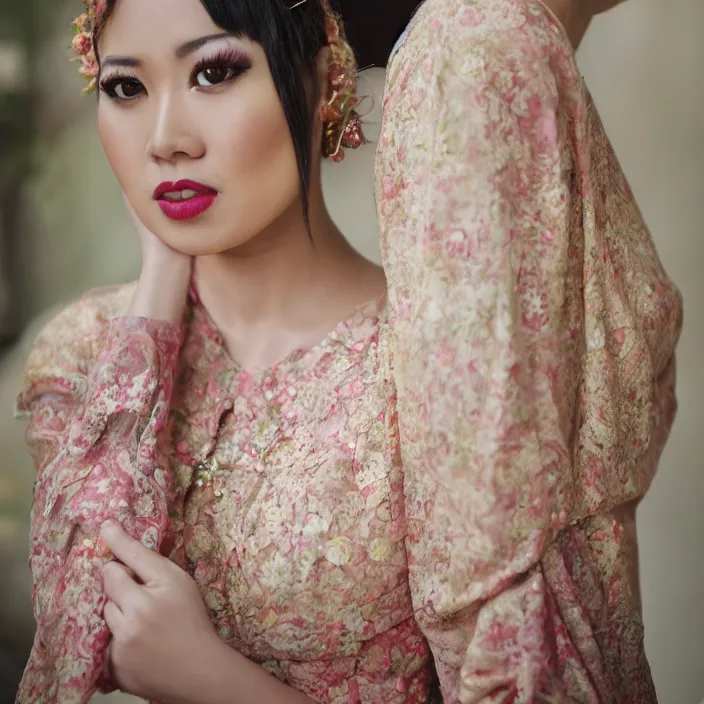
341, 125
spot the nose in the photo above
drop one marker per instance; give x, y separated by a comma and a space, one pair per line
174, 136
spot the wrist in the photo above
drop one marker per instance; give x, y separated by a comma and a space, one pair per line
162, 290
176, 269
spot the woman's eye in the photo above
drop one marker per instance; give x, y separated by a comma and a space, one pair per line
124, 89
213, 75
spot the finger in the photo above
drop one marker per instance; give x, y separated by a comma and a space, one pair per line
107, 664
119, 584
147, 565
113, 616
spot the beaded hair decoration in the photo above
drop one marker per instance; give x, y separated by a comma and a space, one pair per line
342, 123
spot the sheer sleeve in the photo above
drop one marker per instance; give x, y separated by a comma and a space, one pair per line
96, 391
499, 422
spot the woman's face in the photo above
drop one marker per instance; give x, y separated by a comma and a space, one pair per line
183, 102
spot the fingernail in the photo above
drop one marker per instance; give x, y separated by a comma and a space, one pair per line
102, 549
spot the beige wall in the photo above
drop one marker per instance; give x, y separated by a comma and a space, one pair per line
645, 65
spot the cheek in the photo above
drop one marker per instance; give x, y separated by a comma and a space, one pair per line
255, 153
123, 149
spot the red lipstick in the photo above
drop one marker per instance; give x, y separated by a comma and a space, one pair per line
184, 200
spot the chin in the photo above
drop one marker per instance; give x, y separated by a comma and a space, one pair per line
200, 236
197, 242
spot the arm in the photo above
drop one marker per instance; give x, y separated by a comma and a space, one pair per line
519, 416
93, 441
484, 363
93, 434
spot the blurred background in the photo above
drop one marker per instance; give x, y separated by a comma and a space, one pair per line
63, 230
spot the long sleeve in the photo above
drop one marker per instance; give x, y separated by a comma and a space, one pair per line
533, 333
97, 392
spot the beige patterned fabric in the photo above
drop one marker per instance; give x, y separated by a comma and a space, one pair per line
533, 334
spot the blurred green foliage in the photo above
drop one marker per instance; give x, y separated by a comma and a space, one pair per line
23, 25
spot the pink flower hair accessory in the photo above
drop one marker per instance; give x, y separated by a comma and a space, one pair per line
84, 31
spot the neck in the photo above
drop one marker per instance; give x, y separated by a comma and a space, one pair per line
270, 279
574, 15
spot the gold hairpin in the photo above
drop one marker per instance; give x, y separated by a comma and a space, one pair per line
298, 4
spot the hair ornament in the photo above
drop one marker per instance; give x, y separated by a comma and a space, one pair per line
342, 122
84, 27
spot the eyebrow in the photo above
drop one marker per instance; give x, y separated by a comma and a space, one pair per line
180, 53
195, 44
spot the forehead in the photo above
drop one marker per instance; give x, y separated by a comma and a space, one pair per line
142, 26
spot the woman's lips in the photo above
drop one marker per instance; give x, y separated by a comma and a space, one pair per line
184, 200
189, 208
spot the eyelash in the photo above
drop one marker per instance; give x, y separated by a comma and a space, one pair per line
234, 61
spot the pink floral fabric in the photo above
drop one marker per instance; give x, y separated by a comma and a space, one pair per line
533, 332
93, 435
445, 485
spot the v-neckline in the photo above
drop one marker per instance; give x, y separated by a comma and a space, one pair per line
339, 334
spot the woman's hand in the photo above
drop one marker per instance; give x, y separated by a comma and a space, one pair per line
163, 642
163, 284
164, 646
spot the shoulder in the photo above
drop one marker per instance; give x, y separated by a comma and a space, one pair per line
476, 85
482, 20
480, 40
67, 345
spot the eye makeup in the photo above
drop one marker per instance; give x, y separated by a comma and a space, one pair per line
219, 67
224, 65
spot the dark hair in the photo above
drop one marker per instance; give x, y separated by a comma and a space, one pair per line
292, 38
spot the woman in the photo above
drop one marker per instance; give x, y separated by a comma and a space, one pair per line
443, 482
